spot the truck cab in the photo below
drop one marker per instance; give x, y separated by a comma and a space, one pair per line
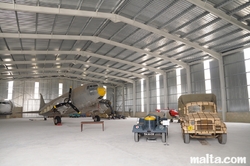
199, 118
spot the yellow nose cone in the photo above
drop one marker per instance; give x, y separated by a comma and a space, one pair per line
101, 91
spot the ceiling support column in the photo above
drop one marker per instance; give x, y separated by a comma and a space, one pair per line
147, 97
223, 89
165, 86
123, 100
134, 98
114, 100
188, 73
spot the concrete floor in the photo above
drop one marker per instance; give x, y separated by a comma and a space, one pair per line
38, 143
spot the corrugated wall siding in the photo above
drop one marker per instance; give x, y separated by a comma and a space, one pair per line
152, 94
172, 90
119, 99
3, 90
197, 79
215, 82
235, 79
23, 92
236, 84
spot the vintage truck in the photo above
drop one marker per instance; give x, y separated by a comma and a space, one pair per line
199, 118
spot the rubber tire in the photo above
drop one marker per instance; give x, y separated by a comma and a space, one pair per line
222, 138
57, 120
97, 118
136, 137
186, 138
163, 137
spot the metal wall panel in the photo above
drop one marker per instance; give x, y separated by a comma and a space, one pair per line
197, 78
183, 82
119, 99
18, 91
236, 84
235, 79
3, 90
23, 92
172, 90
152, 94
215, 82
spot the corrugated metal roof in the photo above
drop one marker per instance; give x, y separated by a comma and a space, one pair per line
142, 37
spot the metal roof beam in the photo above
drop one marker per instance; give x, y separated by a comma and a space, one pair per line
235, 10
83, 53
113, 17
189, 22
224, 3
162, 11
177, 16
74, 62
201, 27
66, 69
94, 39
245, 17
59, 74
220, 14
50, 77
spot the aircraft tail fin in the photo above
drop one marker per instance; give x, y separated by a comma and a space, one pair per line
42, 103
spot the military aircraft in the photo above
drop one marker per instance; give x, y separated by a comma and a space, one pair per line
81, 99
6, 107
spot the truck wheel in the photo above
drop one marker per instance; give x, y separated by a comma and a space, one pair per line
222, 138
57, 120
186, 138
163, 137
136, 137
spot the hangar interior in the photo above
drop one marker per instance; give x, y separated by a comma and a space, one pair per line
146, 52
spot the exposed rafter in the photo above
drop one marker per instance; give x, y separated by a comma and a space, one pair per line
113, 17
82, 52
58, 74
220, 14
67, 69
73, 62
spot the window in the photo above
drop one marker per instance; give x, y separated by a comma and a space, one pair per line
158, 101
247, 68
207, 76
36, 92
178, 82
10, 90
142, 95
60, 89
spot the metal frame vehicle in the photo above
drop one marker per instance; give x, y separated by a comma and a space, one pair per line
199, 118
151, 125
